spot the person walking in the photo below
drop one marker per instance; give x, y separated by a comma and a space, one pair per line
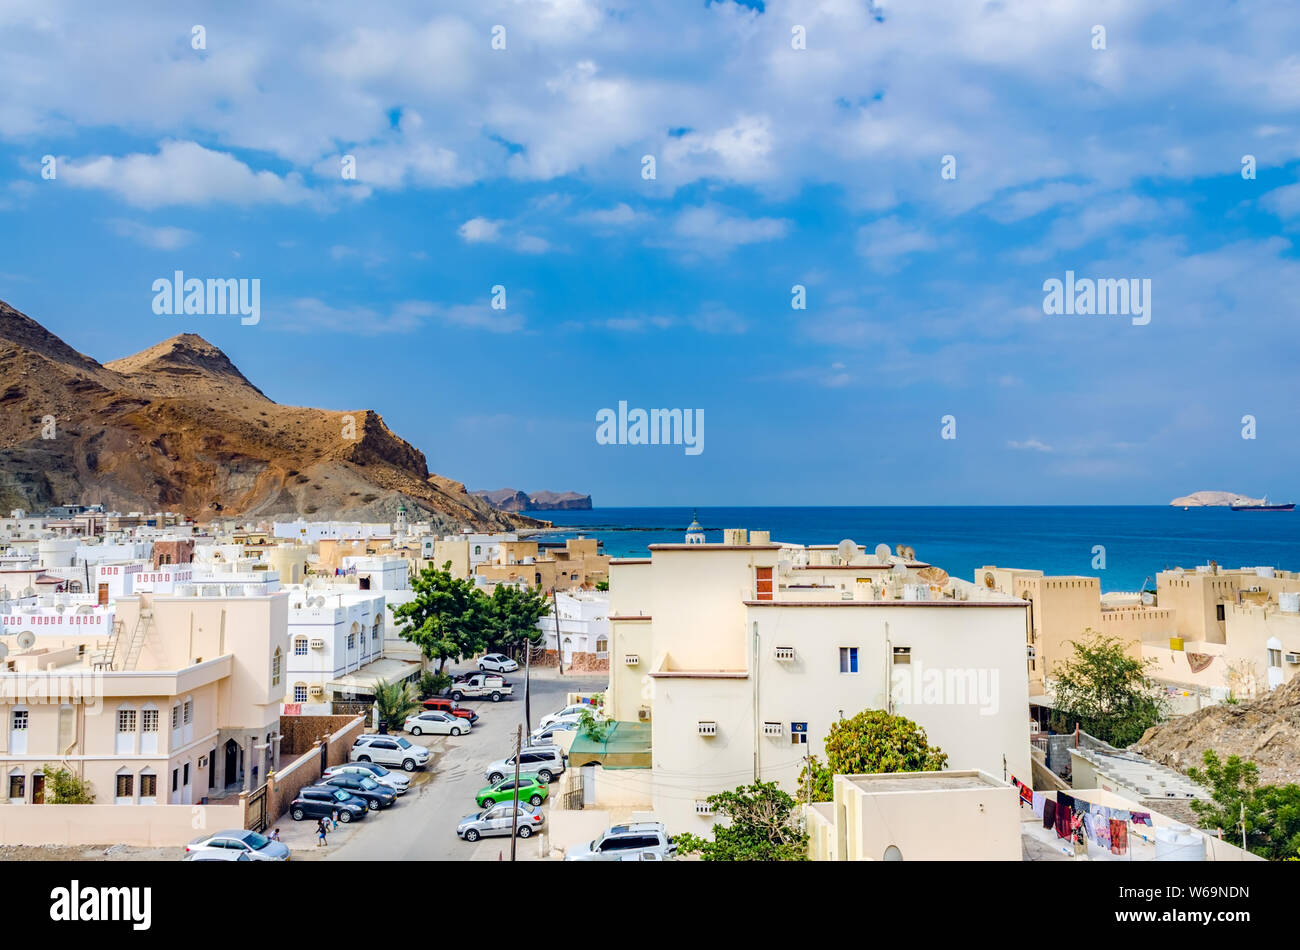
334, 819
320, 833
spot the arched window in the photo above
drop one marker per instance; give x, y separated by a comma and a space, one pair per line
149, 729
148, 787
602, 645
126, 730
275, 667
299, 646
124, 787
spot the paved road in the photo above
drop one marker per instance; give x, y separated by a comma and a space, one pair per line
422, 825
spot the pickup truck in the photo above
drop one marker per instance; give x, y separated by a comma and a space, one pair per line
480, 684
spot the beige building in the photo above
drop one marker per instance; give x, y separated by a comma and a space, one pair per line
576, 565
178, 700
917, 816
742, 654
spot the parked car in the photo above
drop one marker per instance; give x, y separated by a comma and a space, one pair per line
545, 735
481, 684
633, 842
321, 801
498, 663
217, 856
232, 845
546, 762
531, 790
498, 820
441, 704
394, 780
572, 713
436, 723
375, 795
389, 750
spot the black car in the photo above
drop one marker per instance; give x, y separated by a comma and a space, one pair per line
321, 801
376, 796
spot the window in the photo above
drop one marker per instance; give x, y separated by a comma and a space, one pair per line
187, 773
189, 711
299, 692
374, 631
18, 786
848, 659
763, 585
798, 733
126, 720
125, 786
176, 717
902, 655
300, 646
478, 549
275, 668
20, 719
352, 641
149, 720
148, 785
1275, 658
67, 728
176, 778
1218, 611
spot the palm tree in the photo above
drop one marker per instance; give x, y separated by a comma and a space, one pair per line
395, 702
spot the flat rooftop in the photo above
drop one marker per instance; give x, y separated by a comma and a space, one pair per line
924, 782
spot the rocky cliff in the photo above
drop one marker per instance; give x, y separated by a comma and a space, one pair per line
510, 499
179, 427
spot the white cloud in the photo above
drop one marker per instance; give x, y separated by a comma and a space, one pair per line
886, 242
164, 238
711, 230
620, 215
182, 173
1032, 445
480, 231
310, 314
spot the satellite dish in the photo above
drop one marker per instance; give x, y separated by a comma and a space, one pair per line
59, 608
899, 570
882, 553
988, 581
27, 639
847, 550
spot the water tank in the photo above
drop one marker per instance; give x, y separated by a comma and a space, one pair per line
734, 536
1264, 572
760, 537
1289, 602
1179, 843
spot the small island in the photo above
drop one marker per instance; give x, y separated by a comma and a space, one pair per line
1215, 499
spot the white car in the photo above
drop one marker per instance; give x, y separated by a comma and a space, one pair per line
436, 723
497, 663
389, 750
572, 713
545, 735
398, 782
240, 842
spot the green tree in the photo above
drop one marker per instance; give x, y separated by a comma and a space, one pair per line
1105, 691
596, 728
62, 787
448, 619
431, 684
395, 702
876, 741
1271, 813
762, 827
513, 615
602, 585
816, 781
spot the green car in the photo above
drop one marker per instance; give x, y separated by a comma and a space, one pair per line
531, 790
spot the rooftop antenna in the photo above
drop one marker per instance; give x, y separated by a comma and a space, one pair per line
847, 550
882, 553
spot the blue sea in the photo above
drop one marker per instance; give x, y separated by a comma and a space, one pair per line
1138, 541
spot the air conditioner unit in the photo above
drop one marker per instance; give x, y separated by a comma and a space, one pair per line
785, 654
317, 643
631, 659
1031, 652
707, 728
772, 729
1292, 657
203, 761
703, 808
643, 714
316, 689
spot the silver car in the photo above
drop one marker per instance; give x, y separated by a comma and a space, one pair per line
240, 841
394, 780
497, 820
638, 841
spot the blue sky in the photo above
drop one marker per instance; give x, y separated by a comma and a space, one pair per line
775, 166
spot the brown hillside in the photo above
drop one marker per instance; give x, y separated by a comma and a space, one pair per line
178, 426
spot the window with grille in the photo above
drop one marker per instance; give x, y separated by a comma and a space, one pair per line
300, 693
126, 720
148, 785
352, 641
176, 717
275, 668
17, 786
20, 719
125, 786
149, 720
300, 646
189, 711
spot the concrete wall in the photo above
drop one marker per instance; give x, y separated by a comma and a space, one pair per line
283, 786
139, 825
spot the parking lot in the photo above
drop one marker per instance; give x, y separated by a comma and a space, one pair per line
422, 825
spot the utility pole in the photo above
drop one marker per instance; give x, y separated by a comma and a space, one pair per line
559, 643
514, 831
528, 669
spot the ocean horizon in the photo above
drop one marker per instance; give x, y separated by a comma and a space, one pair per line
1122, 545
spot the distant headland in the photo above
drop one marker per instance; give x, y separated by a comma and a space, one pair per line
1214, 499
509, 499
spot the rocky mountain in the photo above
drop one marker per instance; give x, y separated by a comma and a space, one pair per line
1214, 499
1265, 730
179, 427
510, 499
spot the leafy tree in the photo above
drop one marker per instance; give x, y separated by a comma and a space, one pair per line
513, 615
876, 741
431, 684
816, 781
448, 619
602, 585
62, 787
395, 702
595, 728
761, 827
1271, 812
1106, 691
